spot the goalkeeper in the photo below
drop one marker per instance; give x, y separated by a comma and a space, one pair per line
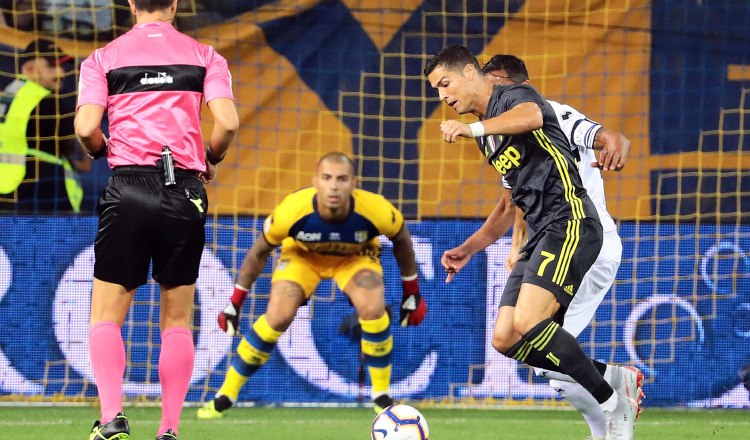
326, 231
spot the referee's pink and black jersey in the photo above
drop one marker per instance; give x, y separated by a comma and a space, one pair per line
152, 81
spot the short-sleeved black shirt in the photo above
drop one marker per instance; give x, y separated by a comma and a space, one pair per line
539, 167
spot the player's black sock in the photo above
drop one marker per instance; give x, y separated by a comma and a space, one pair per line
601, 366
548, 344
522, 351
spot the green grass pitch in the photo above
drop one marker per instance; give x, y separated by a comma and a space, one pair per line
264, 423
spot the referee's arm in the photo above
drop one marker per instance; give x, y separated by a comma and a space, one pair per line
88, 130
226, 124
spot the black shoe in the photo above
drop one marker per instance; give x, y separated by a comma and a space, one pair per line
117, 429
169, 435
380, 403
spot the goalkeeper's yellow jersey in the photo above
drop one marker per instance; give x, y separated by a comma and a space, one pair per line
296, 225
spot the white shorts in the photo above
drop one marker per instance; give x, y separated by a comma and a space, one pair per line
595, 285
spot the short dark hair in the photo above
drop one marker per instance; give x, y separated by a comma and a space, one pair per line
453, 58
46, 49
152, 5
513, 66
336, 156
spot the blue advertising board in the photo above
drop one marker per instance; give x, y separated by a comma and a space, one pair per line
680, 310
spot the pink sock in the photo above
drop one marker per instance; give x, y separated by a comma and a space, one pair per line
107, 352
175, 368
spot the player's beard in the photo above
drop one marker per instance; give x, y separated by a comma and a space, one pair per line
338, 211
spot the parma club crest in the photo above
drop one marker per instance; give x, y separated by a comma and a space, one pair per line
360, 236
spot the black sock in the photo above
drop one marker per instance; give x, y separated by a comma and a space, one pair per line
549, 344
601, 366
523, 352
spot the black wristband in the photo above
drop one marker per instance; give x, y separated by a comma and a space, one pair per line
210, 158
101, 152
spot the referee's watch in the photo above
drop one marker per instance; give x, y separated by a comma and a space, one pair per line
213, 160
101, 152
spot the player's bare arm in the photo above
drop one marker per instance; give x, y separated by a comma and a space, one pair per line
523, 118
254, 262
517, 241
88, 123
252, 266
403, 251
615, 149
497, 224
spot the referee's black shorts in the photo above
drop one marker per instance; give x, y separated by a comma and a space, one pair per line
558, 262
142, 220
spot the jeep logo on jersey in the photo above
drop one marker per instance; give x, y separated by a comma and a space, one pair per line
160, 78
308, 236
507, 160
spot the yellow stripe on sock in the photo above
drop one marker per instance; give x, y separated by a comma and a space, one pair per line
543, 338
251, 355
523, 352
265, 332
375, 325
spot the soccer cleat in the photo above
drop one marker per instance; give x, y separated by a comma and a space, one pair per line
380, 403
595, 437
620, 421
116, 429
215, 408
169, 435
628, 381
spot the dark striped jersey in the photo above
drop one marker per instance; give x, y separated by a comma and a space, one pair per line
539, 166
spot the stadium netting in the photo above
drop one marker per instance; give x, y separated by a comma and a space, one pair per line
316, 76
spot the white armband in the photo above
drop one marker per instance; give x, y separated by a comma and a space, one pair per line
584, 133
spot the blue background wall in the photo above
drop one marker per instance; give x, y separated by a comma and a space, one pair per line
686, 360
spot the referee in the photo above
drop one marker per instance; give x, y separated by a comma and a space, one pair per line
151, 82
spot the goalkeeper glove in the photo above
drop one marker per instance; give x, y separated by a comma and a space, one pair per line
413, 308
229, 318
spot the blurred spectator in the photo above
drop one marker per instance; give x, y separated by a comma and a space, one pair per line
104, 20
77, 19
37, 151
22, 14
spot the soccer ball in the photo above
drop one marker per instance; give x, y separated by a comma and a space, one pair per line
400, 422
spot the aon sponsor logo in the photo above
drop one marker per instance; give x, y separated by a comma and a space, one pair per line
508, 159
308, 236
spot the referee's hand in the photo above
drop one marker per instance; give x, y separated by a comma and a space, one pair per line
209, 174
